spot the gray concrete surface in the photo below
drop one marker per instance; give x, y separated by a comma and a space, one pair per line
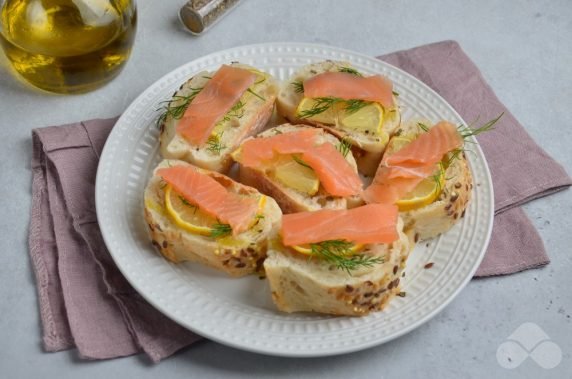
525, 52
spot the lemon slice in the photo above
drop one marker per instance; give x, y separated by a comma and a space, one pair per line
425, 193
396, 144
329, 115
190, 217
297, 176
186, 215
367, 119
306, 250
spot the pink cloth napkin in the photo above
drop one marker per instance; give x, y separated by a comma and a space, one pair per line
84, 300
86, 303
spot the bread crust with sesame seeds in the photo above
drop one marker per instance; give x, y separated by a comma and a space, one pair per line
442, 214
300, 284
236, 255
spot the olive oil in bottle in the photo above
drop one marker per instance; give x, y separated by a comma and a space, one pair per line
67, 46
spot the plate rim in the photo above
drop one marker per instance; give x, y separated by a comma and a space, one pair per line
260, 350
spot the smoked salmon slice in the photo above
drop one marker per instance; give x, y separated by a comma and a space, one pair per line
348, 87
211, 104
372, 223
399, 173
429, 148
335, 173
257, 151
211, 197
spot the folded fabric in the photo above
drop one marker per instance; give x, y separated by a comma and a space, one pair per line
86, 303
84, 299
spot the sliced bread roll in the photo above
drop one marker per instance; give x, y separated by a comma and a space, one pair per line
246, 118
301, 284
368, 141
237, 255
290, 199
449, 207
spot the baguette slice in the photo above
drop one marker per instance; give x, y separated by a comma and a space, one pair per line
289, 199
367, 148
227, 135
236, 255
299, 284
442, 214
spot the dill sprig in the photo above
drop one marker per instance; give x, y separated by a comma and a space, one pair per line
437, 179
237, 111
258, 217
350, 70
186, 202
345, 146
255, 94
298, 86
468, 131
178, 109
301, 162
354, 105
214, 143
220, 230
260, 81
321, 104
339, 253
453, 154
423, 127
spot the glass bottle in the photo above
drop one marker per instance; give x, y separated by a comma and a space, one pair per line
67, 46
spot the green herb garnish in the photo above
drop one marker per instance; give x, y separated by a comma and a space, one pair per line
237, 111
176, 111
423, 127
220, 230
260, 81
345, 146
214, 144
451, 156
468, 131
350, 70
395, 93
298, 86
301, 162
255, 94
353, 106
339, 253
186, 202
321, 104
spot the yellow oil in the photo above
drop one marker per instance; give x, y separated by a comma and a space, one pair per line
67, 46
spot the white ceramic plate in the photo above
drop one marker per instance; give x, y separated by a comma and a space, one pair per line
240, 312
